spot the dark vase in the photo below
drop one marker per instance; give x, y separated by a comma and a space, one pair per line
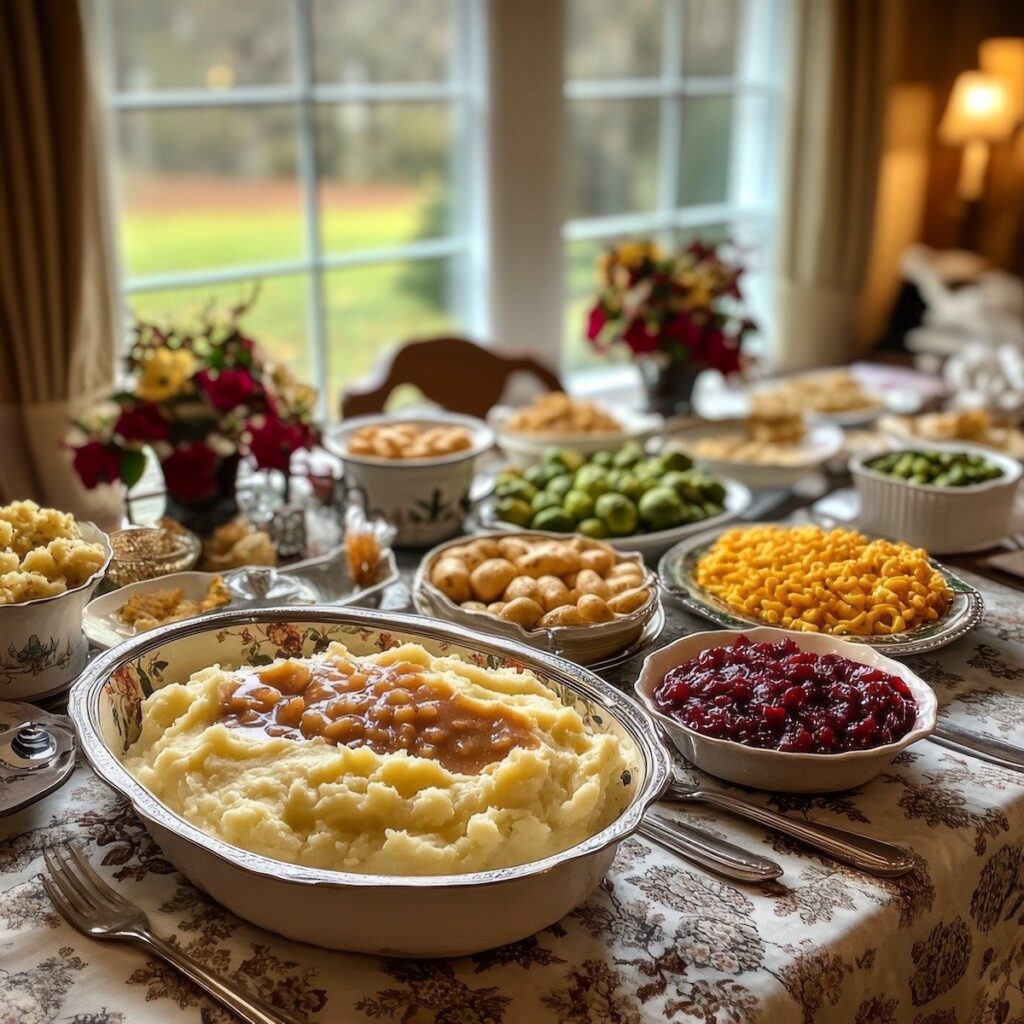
669, 385
203, 515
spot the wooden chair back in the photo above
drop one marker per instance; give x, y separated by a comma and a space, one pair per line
457, 374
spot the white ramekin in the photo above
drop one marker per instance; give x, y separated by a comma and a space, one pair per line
943, 520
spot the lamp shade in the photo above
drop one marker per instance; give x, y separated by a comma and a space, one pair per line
1005, 58
980, 108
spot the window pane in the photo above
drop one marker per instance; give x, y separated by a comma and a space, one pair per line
208, 188
384, 173
201, 43
613, 156
277, 321
614, 38
369, 309
383, 40
705, 149
710, 29
711, 234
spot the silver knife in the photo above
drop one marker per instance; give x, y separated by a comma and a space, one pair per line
870, 855
999, 752
707, 850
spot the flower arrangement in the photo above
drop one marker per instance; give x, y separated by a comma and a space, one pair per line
687, 305
203, 396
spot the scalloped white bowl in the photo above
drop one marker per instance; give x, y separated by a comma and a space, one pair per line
390, 915
777, 770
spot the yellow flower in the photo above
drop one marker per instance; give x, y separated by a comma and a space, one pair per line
632, 254
164, 374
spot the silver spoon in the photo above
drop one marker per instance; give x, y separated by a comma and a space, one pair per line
869, 855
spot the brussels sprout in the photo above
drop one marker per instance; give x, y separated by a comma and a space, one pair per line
628, 455
515, 510
617, 513
515, 487
553, 519
674, 460
592, 528
578, 504
681, 482
544, 499
602, 458
592, 480
661, 509
712, 508
560, 486
631, 487
647, 469
713, 491
567, 458
538, 475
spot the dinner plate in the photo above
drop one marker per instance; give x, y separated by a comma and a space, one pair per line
822, 442
650, 545
677, 572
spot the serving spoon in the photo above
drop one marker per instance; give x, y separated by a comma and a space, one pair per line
872, 856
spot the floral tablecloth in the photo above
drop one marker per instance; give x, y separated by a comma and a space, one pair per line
660, 941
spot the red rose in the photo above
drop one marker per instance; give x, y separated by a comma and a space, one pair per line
273, 443
97, 463
639, 337
227, 389
595, 322
142, 423
190, 471
720, 353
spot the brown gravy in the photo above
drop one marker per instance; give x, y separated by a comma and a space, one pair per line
385, 707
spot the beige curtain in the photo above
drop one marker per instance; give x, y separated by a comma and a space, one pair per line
841, 59
58, 321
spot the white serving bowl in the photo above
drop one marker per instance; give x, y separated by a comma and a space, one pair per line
396, 915
42, 646
654, 544
776, 770
943, 520
581, 644
426, 499
823, 441
523, 448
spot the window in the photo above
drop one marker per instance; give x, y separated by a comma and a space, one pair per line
325, 148
673, 114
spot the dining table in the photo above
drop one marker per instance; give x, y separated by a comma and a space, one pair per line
660, 940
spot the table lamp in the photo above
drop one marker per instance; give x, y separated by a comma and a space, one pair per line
980, 111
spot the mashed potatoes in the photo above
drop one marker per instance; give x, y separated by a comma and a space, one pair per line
498, 773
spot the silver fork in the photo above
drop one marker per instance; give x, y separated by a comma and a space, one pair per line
90, 905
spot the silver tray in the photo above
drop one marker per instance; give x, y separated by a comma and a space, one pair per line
676, 571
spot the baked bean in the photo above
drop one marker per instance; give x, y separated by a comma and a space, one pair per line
312, 723
288, 676
290, 712
404, 714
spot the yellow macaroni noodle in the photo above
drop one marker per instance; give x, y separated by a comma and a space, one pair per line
834, 581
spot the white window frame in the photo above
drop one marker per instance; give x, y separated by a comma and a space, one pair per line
755, 76
463, 89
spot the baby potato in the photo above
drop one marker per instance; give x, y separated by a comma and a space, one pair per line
555, 559
630, 600
490, 578
593, 609
474, 606
553, 592
622, 584
624, 569
485, 547
452, 578
523, 611
496, 607
567, 615
471, 559
600, 560
590, 582
522, 586
512, 548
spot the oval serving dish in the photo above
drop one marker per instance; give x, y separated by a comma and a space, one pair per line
677, 573
585, 645
777, 770
397, 915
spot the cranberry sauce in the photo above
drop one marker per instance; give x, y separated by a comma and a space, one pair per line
776, 696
